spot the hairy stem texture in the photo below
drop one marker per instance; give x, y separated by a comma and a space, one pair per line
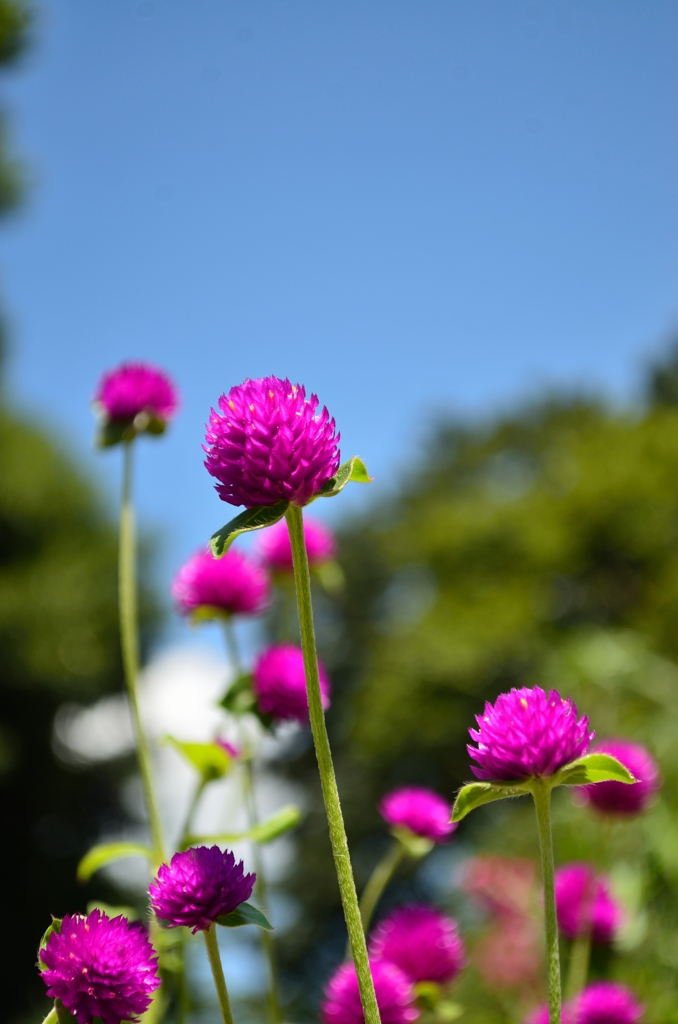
335, 820
218, 973
541, 791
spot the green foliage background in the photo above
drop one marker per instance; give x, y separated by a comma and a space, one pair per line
540, 548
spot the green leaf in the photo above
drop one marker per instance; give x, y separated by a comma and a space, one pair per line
475, 794
55, 926
354, 470
106, 853
209, 759
331, 577
251, 519
110, 433
593, 768
281, 822
239, 698
244, 914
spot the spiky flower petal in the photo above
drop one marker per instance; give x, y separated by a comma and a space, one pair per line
270, 444
527, 733
420, 810
232, 585
422, 942
395, 996
100, 967
198, 886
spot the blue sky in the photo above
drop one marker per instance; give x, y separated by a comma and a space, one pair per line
409, 206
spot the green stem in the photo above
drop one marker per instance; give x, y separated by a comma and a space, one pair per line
232, 646
127, 595
261, 890
578, 968
51, 1017
378, 881
218, 973
541, 791
335, 821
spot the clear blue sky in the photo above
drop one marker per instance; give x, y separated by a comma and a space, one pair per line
408, 205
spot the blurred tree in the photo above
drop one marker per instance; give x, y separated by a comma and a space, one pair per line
540, 548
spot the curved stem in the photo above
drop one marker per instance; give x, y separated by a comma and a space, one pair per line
127, 596
232, 646
376, 884
335, 820
218, 973
541, 791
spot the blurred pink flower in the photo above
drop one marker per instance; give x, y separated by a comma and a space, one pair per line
395, 996
422, 942
606, 1002
279, 683
422, 811
584, 904
502, 884
231, 585
620, 797
275, 549
133, 388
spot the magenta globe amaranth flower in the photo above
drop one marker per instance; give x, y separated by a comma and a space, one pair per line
527, 733
199, 886
395, 996
606, 1002
270, 444
584, 904
422, 811
619, 797
422, 942
100, 967
213, 587
134, 388
279, 683
276, 551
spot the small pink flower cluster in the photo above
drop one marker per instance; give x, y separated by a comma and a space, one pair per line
603, 1002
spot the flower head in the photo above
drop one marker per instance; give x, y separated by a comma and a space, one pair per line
134, 388
279, 683
199, 886
100, 967
527, 732
584, 904
271, 444
420, 810
232, 585
276, 551
606, 1002
395, 996
422, 942
620, 797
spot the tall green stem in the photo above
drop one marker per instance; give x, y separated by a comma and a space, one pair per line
218, 973
541, 791
127, 596
274, 1004
335, 820
376, 884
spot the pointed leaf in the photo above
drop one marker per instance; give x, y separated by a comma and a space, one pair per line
277, 825
239, 698
475, 794
251, 519
55, 926
106, 853
593, 768
354, 470
209, 759
244, 914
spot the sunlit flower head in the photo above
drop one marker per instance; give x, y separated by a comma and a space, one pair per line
231, 585
134, 388
584, 904
621, 798
276, 551
100, 967
606, 1002
279, 683
395, 996
527, 733
270, 444
422, 811
422, 942
198, 886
